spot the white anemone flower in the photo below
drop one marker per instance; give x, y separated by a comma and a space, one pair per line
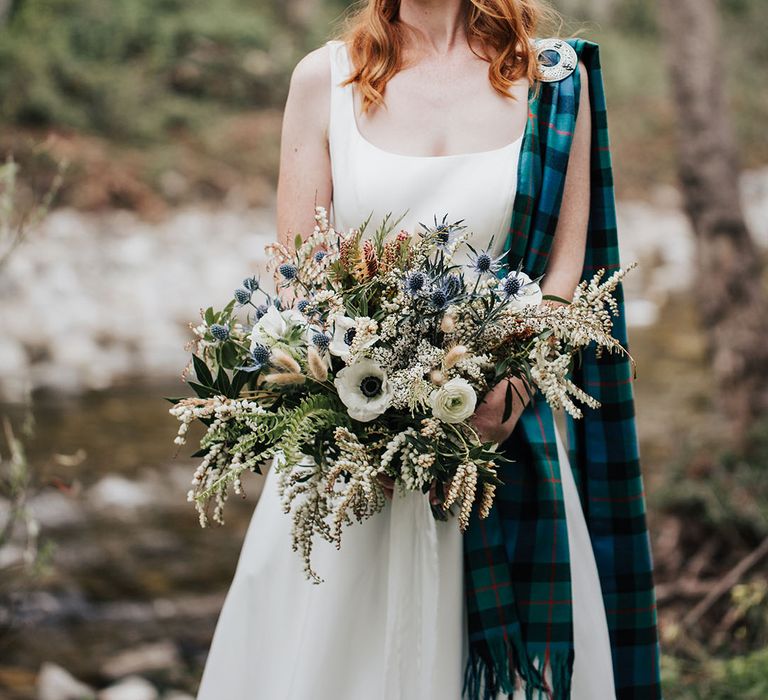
364, 389
274, 326
519, 290
343, 332
453, 402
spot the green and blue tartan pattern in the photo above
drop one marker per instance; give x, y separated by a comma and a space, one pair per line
517, 571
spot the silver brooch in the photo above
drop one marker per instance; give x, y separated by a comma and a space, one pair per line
557, 59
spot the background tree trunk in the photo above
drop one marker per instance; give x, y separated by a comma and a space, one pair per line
729, 280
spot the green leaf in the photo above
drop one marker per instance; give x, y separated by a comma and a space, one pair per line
199, 453
298, 241
229, 355
173, 401
223, 383
209, 316
204, 392
508, 398
239, 380
204, 375
553, 297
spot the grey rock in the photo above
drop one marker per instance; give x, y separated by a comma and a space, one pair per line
130, 688
56, 683
159, 656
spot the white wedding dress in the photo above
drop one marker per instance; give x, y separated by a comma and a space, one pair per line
389, 621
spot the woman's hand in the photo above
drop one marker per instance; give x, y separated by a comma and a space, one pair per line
487, 417
388, 486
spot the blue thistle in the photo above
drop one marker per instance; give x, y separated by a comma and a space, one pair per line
319, 255
242, 296
251, 284
439, 298
483, 262
443, 236
511, 286
288, 271
261, 309
414, 282
302, 305
321, 341
452, 285
219, 332
260, 355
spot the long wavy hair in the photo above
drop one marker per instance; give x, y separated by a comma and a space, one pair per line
503, 28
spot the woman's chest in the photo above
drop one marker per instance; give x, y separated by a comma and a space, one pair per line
460, 113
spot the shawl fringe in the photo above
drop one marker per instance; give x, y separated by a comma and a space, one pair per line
497, 667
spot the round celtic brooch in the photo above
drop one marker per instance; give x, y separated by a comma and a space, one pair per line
557, 59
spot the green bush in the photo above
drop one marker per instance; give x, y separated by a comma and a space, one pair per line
134, 68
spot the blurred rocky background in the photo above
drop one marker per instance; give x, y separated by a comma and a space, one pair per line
144, 137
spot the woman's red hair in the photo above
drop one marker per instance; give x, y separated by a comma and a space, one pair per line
503, 28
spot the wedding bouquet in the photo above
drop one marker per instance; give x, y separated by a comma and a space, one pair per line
368, 363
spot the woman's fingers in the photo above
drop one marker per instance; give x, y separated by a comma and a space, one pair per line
388, 484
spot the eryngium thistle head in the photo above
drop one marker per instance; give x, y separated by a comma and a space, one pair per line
319, 255
288, 271
511, 285
260, 355
414, 282
452, 285
221, 333
261, 309
242, 296
251, 284
439, 298
321, 341
483, 262
302, 305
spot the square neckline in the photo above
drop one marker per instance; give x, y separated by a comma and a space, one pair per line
373, 146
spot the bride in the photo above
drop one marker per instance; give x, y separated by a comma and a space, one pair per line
426, 108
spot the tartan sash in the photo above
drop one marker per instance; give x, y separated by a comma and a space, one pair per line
517, 566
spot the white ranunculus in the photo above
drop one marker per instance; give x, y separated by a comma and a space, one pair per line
453, 402
364, 390
274, 326
519, 290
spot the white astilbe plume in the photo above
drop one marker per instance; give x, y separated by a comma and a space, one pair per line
362, 494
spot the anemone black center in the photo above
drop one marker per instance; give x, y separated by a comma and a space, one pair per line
370, 387
349, 336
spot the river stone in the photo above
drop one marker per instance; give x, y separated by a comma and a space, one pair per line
117, 492
131, 688
159, 656
56, 683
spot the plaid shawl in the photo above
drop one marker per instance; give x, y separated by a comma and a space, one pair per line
518, 584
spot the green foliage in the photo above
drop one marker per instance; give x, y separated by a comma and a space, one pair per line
727, 492
743, 677
136, 68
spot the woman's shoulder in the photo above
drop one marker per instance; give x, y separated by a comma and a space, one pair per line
313, 71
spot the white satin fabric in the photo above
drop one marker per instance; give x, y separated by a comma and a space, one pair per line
389, 622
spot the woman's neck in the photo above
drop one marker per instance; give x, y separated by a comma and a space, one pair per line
439, 23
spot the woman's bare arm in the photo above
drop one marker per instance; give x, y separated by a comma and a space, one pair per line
566, 261
305, 166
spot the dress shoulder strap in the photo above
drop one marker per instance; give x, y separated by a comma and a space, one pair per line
341, 120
